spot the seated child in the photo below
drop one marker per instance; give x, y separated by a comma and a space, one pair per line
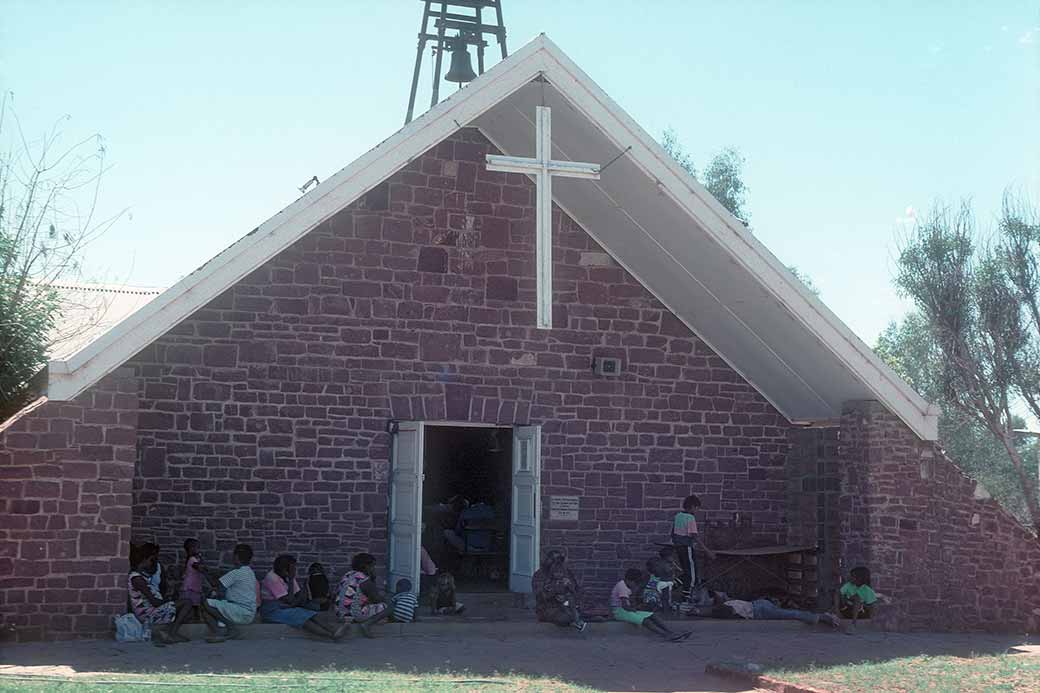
319, 597
157, 578
658, 591
622, 609
241, 594
443, 595
404, 603
282, 600
164, 616
857, 596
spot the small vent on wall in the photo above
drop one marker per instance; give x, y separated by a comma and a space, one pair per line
606, 365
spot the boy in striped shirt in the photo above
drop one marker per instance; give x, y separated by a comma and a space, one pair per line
404, 603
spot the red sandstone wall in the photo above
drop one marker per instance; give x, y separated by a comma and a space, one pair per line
66, 472
264, 415
950, 561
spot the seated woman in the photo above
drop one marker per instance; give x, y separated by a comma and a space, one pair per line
557, 593
164, 617
281, 601
358, 599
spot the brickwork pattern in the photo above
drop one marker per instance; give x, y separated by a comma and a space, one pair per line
949, 560
264, 414
813, 498
66, 476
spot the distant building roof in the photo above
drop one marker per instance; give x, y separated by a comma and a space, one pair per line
90, 310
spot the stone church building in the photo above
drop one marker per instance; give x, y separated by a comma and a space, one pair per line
372, 350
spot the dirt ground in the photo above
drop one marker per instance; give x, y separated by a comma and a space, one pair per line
609, 658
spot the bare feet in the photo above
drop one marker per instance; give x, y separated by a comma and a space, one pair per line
342, 631
366, 630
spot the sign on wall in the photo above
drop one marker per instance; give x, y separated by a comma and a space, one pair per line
564, 508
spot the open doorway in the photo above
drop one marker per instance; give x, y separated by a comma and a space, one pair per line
466, 503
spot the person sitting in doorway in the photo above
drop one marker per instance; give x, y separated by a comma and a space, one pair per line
622, 608
241, 593
442, 598
358, 599
282, 601
557, 595
858, 598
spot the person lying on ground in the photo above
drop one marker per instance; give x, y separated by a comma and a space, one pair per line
358, 599
622, 609
165, 617
763, 608
557, 594
241, 592
282, 601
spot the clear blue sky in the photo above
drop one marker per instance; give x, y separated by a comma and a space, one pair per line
215, 112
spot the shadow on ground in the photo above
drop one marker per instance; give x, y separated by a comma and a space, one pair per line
609, 658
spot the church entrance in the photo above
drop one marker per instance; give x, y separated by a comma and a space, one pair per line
468, 494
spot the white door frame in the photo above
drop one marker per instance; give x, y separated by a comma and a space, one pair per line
422, 425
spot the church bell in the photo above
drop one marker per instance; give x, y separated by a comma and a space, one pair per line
461, 68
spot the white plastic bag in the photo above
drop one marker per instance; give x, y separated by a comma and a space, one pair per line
129, 629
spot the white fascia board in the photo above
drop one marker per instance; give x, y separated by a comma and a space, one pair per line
69, 377
583, 93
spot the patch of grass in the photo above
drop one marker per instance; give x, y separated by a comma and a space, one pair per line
332, 681
989, 674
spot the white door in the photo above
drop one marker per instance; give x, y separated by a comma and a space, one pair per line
524, 531
406, 477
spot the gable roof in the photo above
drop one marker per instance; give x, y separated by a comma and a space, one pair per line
656, 221
87, 311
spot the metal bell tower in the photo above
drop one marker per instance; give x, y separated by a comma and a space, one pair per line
467, 30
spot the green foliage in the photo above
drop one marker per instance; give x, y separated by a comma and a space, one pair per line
909, 349
978, 329
805, 279
48, 195
723, 178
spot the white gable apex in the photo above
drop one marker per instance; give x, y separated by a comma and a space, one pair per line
650, 215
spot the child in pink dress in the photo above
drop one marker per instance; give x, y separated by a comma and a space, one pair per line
191, 588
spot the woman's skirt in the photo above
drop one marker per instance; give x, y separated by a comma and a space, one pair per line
295, 616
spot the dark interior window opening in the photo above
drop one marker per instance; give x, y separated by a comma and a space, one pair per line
467, 491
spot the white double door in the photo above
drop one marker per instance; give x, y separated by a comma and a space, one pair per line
406, 484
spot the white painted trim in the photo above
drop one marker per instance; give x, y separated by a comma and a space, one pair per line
582, 92
69, 377
81, 370
623, 265
466, 424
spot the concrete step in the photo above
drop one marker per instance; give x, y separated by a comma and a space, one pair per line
452, 627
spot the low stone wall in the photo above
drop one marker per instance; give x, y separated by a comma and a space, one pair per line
66, 479
948, 556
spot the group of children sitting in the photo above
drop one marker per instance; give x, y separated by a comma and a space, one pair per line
236, 597
670, 583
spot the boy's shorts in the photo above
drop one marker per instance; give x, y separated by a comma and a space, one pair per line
634, 617
230, 612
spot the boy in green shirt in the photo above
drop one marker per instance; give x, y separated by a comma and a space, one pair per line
857, 596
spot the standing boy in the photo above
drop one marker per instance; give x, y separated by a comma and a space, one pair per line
686, 539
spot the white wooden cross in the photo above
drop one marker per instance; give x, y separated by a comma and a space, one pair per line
543, 168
